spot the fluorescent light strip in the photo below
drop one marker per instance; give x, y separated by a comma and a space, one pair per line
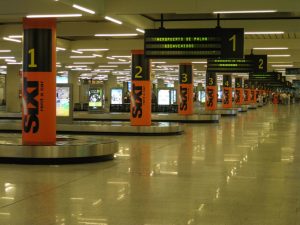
264, 32
10, 60
109, 66
11, 39
76, 63
92, 49
113, 20
53, 15
5, 51
74, 51
201, 62
245, 11
119, 62
279, 62
272, 48
121, 56
60, 49
116, 35
288, 65
97, 55
112, 58
83, 9
279, 55
7, 57
158, 62
76, 66
122, 60
82, 56
15, 63
15, 36
140, 30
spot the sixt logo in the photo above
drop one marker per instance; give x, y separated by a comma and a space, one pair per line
137, 92
238, 96
226, 97
183, 95
210, 97
31, 110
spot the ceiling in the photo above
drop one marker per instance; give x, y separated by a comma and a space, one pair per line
78, 33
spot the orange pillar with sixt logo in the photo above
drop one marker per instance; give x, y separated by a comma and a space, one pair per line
211, 98
186, 86
239, 95
227, 92
140, 101
39, 82
247, 92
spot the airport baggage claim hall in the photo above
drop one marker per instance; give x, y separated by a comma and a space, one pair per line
139, 112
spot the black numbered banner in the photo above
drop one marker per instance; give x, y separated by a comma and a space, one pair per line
211, 79
227, 81
185, 74
37, 52
140, 68
259, 63
232, 43
238, 82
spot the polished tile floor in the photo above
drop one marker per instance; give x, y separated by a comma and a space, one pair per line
243, 171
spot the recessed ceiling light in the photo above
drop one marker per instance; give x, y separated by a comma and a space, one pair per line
264, 32
5, 50
74, 51
288, 65
271, 48
82, 56
140, 30
109, 66
200, 62
116, 35
60, 49
53, 15
245, 11
92, 49
11, 39
113, 20
76, 63
83, 9
279, 55
7, 57
121, 56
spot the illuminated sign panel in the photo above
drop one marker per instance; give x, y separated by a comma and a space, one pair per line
251, 64
194, 43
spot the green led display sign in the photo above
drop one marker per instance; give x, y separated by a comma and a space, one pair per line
194, 43
250, 64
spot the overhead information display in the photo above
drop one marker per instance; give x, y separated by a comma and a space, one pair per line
194, 43
251, 64
292, 71
271, 79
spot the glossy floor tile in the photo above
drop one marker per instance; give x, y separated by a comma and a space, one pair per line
243, 171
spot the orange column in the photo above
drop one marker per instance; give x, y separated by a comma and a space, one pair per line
211, 91
227, 92
185, 106
39, 82
253, 93
140, 101
239, 95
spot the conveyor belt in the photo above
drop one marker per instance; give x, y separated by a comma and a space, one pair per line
204, 117
117, 128
68, 149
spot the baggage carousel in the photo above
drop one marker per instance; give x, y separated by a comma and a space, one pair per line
98, 127
68, 149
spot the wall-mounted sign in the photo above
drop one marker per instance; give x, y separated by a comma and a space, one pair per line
63, 101
95, 98
194, 43
116, 96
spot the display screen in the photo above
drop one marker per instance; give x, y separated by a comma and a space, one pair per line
201, 96
95, 97
173, 97
164, 97
62, 101
62, 80
116, 96
194, 43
